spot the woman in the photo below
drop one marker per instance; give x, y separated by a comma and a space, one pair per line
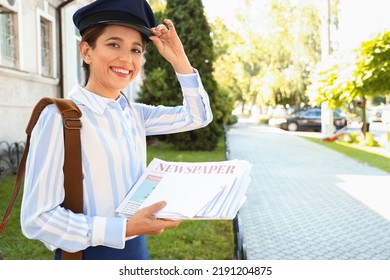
113, 136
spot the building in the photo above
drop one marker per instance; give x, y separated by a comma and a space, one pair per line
38, 57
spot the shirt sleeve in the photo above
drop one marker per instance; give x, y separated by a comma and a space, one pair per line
188, 80
194, 113
42, 216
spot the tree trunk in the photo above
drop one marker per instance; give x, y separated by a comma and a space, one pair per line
364, 118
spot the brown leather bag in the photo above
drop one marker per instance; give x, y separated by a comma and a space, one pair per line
72, 162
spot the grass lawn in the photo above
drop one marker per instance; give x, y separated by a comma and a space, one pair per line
354, 151
201, 240
193, 240
13, 244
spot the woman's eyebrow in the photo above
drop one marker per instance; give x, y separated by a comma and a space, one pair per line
122, 40
115, 39
137, 44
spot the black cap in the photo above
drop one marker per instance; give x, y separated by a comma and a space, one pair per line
136, 14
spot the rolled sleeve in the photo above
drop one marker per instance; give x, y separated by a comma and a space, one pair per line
189, 80
109, 232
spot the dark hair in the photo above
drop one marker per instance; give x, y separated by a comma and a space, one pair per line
90, 36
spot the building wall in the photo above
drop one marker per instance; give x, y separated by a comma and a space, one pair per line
71, 65
19, 92
23, 85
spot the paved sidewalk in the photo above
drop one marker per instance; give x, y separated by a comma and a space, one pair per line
308, 202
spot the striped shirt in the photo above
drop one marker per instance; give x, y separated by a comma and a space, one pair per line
113, 140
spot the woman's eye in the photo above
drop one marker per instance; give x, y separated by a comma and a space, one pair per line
115, 45
138, 51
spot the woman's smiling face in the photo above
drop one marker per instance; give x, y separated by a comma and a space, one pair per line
115, 60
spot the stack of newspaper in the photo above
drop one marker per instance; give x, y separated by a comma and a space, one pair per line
192, 190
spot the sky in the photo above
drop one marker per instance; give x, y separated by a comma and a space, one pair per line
223, 8
359, 19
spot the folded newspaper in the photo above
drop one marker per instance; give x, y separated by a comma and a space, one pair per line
192, 190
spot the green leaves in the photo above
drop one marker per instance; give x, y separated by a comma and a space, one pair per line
373, 66
346, 77
161, 85
271, 47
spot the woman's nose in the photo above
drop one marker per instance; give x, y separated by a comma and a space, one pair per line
126, 55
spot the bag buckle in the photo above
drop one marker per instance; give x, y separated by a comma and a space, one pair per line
72, 123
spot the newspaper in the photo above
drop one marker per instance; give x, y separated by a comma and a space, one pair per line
192, 190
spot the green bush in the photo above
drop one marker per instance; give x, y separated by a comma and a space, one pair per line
371, 141
357, 139
232, 120
263, 120
352, 138
161, 86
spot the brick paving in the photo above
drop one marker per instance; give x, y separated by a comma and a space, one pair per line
297, 208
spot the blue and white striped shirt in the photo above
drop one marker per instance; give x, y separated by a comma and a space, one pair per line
113, 140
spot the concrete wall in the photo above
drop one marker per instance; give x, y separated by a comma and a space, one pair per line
22, 86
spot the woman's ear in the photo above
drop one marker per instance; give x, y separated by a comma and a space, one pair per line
85, 52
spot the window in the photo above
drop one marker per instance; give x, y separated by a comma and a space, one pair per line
312, 114
7, 40
46, 48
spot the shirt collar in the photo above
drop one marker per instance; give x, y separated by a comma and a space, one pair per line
93, 101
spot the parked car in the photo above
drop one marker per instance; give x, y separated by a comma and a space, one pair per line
311, 120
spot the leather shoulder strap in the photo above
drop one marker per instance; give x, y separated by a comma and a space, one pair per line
72, 162
73, 178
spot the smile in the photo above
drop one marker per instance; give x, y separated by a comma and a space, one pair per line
121, 70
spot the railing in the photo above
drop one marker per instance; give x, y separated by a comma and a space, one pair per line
10, 155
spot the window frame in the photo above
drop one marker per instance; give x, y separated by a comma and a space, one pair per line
50, 20
11, 61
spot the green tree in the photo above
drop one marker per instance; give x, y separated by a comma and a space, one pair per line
359, 75
296, 37
157, 5
373, 70
228, 51
159, 85
194, 31
332, 81
223, 40
373, 66
269, 62
154, 86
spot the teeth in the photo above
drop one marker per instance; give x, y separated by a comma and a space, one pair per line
122, 71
